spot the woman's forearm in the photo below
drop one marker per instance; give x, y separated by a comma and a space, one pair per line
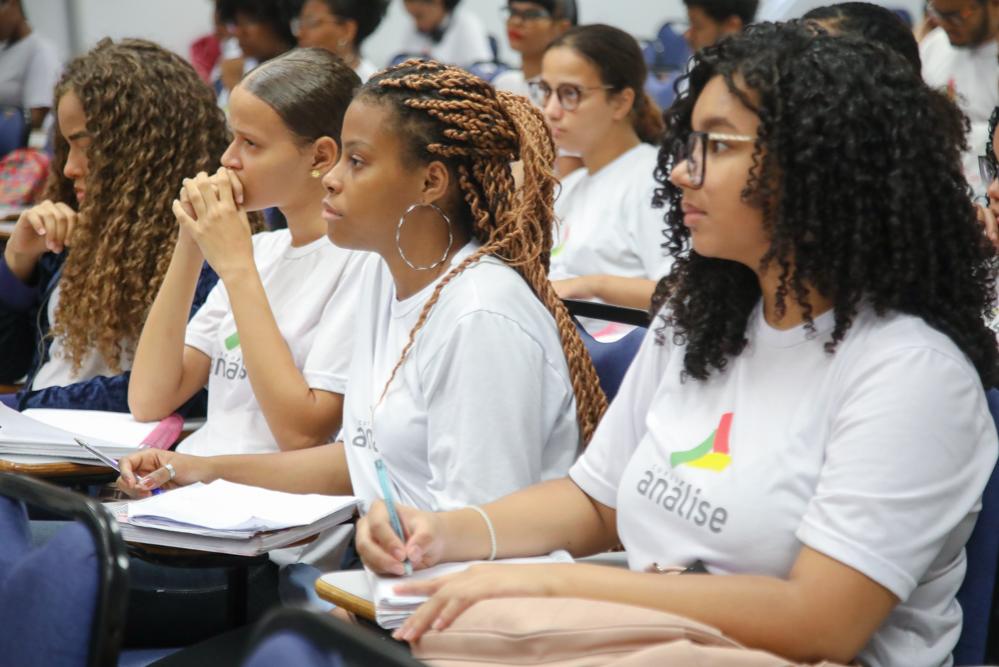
315, 470
298, 416
536, 520
159, 383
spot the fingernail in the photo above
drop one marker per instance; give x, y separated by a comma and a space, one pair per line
438, 624
398, 569
398, 554
397, 635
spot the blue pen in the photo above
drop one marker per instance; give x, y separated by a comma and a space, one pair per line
390, 504
107, 460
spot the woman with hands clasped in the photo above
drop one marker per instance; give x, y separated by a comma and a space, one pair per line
252, 338
468, 379
809, 420
81, 269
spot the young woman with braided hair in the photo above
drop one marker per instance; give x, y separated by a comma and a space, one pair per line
809, 422
467, 376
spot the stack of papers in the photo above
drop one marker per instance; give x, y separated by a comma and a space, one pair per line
392, 609
224, 517
50, 433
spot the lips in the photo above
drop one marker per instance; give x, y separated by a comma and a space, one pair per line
514, 35
330, 214
691, 214
80, 194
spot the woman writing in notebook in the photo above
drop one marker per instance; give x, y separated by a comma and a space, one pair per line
809, 421
80, 270
468, 378
253, 337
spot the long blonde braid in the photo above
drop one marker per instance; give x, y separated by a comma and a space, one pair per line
478, 132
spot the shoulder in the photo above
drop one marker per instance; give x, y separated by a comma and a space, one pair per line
463, 21
935, 45
900, 348
269, 243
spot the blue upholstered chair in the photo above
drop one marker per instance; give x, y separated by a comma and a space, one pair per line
611, 360
307, 639
13, 129
977, 595
62, 603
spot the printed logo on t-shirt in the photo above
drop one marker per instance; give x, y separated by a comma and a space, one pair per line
673, 493
364, 437
712, 454
229, 365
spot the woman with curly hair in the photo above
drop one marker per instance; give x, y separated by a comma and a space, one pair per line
81, 269
467, 379
809, 421
256, 332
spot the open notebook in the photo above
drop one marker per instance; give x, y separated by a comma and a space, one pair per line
392, 609
224, 517
47, 434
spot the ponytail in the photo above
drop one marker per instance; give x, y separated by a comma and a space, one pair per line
648, 119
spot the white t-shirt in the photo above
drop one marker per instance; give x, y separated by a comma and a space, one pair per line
606, 223
464, 43
29, 70
876, 456
513, 81
970, 76
304, 285
483, 404
58, 370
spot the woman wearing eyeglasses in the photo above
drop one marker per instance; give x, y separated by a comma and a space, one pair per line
340, 27
610, 238
809, 419
444, 32
531, 26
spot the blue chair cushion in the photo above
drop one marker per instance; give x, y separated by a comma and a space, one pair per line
976, 593
49, 593
288, 648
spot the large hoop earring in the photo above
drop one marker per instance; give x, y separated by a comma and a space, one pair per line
398, 237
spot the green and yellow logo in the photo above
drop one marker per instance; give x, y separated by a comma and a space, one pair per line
712, 454
232, 342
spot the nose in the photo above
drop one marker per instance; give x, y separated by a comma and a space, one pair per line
993, 192
229, 159
680, 175
332, 180
553, 108
76, 165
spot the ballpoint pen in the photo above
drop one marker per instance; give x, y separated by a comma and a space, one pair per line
110, 462
383, 480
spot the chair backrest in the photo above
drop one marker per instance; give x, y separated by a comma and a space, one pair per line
611, 360
976, 645
668, 52
13, 129
307, 639
62, 602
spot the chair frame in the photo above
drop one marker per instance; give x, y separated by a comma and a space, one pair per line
605, 311
109, 613
357, 644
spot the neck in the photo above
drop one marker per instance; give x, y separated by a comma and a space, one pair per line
20, 32
794, 314
531, 66
305, 219
619, 140
409, 281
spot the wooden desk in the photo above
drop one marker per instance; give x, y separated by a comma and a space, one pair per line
350, 592
64, 473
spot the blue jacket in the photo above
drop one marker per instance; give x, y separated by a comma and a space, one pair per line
24, 345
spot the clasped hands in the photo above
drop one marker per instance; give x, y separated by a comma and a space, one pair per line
210, 212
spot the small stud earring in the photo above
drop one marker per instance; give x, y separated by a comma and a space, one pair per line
315, 173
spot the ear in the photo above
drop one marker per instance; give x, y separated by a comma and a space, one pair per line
623, 102
436, 182
560, 26
325, 153
732, 24
350, 30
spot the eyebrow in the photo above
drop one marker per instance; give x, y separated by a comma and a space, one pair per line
716, 122
356, 143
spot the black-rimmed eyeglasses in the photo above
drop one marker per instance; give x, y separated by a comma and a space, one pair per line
987, 167
695, 151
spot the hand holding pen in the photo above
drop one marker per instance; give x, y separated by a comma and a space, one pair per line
148, 470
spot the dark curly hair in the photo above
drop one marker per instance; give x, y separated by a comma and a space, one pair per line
152, 122
993, 121
857, 173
